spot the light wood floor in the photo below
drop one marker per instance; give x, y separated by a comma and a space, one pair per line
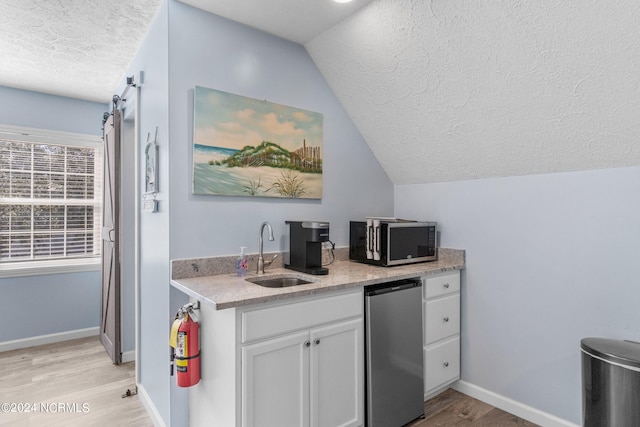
79, 375
76, 374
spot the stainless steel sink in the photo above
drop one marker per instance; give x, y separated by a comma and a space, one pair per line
280, 281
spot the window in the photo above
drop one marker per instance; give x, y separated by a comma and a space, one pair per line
50, 198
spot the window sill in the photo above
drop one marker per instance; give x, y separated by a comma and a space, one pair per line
39, 268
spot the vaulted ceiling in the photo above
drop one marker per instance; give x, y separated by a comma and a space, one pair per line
441, 90
447, 90
295, 20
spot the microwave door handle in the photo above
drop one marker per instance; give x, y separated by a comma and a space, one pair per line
376, 252
370, 242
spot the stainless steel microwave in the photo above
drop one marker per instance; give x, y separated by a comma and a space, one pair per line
389, 242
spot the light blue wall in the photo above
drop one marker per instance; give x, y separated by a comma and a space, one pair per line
207, 50
50, 112
62, 302
551, 259
43, 305
152, 60
187, 47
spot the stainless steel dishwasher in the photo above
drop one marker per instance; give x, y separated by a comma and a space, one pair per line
394, 358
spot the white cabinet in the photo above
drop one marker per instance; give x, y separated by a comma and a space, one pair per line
442, 364
312, 376
275, 382
337, 375
441, 306
442, 317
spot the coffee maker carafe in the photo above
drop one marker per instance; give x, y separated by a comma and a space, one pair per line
304, 252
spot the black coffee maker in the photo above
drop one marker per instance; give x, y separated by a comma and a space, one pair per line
305, 246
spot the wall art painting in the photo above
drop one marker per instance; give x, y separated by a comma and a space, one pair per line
249, 147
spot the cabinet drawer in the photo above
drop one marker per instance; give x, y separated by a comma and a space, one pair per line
442, 285
442, 364
442, 318
281, 319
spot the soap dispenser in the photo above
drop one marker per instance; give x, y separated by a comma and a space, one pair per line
242, 263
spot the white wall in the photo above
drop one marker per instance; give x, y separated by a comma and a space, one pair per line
551, 259
62, 302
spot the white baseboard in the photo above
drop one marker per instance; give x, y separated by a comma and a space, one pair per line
48, 339
152, 411
516, 408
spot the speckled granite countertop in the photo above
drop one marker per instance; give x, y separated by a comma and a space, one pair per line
226, 290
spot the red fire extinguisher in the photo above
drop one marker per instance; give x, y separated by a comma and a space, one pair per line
185, 347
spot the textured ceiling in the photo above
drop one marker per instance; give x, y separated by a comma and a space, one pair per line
441, 90
82, 48
447, 90
75, 48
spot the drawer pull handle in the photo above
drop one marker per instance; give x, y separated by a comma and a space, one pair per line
317, 341
446, 364
446, 319
307, 344
446, 285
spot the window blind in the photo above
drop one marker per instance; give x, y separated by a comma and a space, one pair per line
50, 199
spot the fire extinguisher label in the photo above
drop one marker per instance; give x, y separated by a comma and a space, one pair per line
182, 352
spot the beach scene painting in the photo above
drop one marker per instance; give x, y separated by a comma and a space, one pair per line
249, 147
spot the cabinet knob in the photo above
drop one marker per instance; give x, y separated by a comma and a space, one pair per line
446, 285
446, 364
307, 343
317, 341
446, 319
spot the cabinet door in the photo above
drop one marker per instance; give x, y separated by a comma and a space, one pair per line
337, 375
275, 382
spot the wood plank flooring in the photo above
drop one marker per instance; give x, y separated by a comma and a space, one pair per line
72, 383
452, 408
79, 375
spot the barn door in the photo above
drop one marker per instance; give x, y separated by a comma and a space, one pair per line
110, 296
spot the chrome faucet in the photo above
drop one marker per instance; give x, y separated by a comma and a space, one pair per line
261, 262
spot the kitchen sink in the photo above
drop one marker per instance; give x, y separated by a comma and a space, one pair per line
280, 281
